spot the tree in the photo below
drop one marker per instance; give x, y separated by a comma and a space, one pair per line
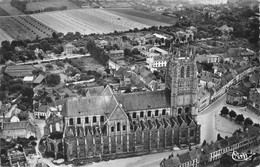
2, 95
15, 87
8, 55
53, 79
40, 55
135, 51
60, 64
6, 45
54, 35
204, 143
32, 138
224, 111
127, 52
66, 95
37, 71
248, 121
232, 114
49, 66
240, 118
48, 99
27, 91
44, 45
257, 125
33, 143
219, 137
23, 115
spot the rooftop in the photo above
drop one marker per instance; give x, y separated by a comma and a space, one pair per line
90, 105
143, 100
39, 79
28, 78
19, 70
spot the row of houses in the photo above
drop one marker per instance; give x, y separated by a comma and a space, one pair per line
213, 86
239, 141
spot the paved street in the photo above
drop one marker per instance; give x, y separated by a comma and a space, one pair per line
212, 123
207, 120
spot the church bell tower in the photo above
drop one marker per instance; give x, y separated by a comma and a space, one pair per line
182, 82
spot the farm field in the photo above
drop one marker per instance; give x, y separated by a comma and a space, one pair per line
138, 15
31, 6
10, 9
3, 12
24, 27
4, 36
117, 4
87, 21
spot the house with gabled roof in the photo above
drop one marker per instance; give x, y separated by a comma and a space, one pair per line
209, 153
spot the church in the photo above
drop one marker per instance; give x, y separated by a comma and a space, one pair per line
117, 125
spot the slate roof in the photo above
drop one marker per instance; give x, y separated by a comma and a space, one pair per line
184, 157
15, 125
143, 100
43, 108
90, 105
39, 79
207, 149
96, 91
174, 161
193, 154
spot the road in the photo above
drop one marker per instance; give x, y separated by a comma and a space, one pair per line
207, 120
49, 60
213, 124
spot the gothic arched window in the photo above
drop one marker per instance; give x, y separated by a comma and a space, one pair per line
94, 119
118, 126
188, 71
182, 72
149, 113
102, 118
86, 119
71, 121
141, 114
78, 121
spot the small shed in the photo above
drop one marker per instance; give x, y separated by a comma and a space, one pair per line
39, 79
